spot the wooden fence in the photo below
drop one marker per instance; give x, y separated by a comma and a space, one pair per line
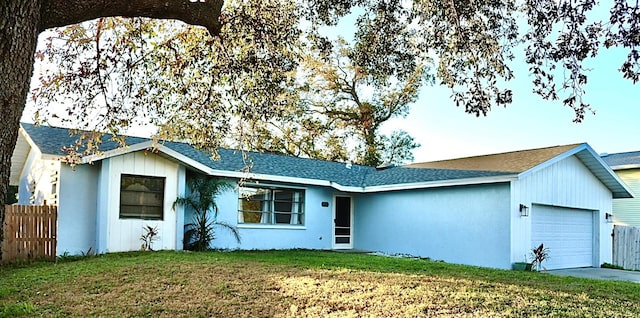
29, 233
626, 247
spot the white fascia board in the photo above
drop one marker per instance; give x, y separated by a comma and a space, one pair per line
352, 189
252, 176
610, 171
554, 160
284, 179
575, 151
51, 157
442, 183
118, 151
14, 177
607, 167
29, 140
626, 167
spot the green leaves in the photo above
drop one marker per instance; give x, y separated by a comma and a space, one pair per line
203, 191
271, 81
113, 73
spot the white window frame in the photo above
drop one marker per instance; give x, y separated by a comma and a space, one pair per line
270, 215
142, 216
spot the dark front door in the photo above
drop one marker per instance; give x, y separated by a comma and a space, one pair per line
342, 223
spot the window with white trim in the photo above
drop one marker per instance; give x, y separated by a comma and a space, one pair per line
141, 197
258, 205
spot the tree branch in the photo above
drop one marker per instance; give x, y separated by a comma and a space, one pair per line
206, 13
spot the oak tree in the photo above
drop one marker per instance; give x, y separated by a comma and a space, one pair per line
22, 21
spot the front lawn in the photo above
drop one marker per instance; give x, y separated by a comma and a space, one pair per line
298, 283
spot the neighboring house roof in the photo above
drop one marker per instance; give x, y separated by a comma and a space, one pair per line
515, 161
50, 140
623, 160
344, 177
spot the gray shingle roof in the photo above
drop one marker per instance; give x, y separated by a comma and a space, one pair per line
622, 159
399, 175
50, 140
277, 165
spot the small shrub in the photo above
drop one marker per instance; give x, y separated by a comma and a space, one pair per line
539, 254
150, 235
612, 266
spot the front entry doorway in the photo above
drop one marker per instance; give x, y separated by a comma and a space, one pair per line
342, 222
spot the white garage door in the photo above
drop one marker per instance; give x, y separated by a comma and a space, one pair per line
568, 233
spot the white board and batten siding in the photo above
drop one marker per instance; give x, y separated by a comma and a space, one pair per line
124, 234
564, 193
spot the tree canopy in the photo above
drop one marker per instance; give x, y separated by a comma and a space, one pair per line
270, 80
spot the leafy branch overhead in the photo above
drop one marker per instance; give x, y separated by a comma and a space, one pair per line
249, 79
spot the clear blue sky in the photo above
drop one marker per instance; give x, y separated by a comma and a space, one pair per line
446, 131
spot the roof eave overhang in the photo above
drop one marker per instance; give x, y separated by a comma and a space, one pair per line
352, 189
441, 183
285, 179
595, 164
24, 145
584, 152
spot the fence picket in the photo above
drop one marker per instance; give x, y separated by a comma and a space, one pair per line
29, 233
626, 247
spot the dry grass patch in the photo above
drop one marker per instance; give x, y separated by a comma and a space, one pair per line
298, 283
188, 290
348, 293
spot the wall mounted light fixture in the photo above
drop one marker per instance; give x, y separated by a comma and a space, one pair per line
524, 210
608, 217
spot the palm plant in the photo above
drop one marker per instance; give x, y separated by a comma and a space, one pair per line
202, 200
540, 254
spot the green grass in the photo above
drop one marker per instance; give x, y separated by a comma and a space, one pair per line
297, 283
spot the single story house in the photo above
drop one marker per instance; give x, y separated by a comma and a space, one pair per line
627, 166
486, 211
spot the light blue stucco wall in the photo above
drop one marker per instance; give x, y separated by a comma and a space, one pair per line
315, 234
77, 206
464, 225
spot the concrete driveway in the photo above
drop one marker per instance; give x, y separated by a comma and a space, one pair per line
599, 273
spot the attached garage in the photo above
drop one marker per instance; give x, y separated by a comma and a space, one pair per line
568, 233
558, 196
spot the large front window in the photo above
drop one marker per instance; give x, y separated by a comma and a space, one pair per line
271, 206
141, 197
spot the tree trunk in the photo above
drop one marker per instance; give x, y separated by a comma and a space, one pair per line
19, 22
22, 20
